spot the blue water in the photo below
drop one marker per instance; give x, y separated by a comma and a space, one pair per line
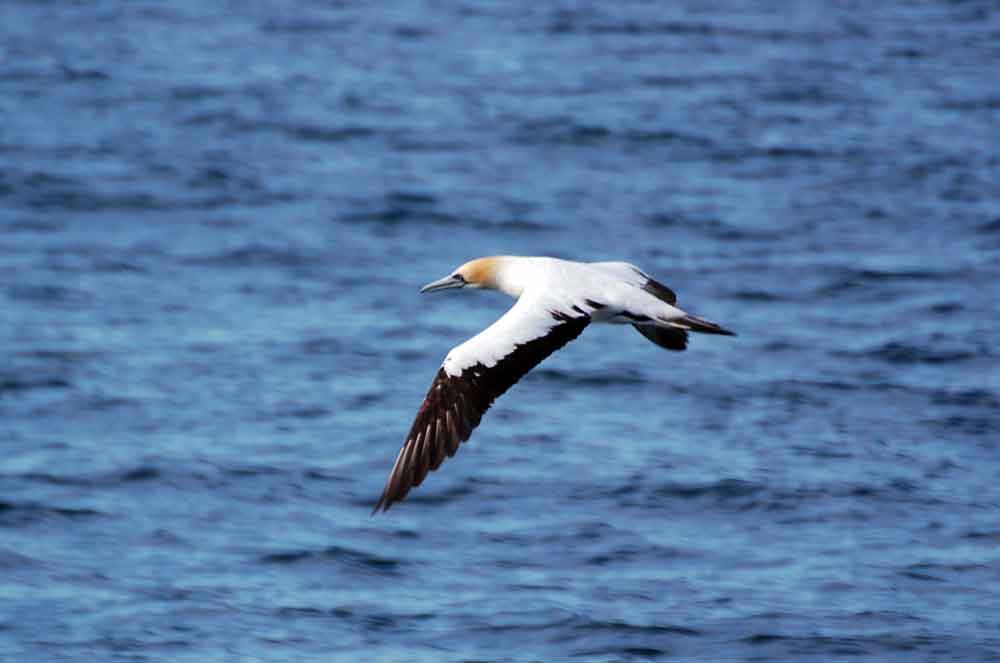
214, 219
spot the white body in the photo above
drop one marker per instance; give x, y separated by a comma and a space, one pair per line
546, 285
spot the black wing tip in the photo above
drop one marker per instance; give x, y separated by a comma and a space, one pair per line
668, 338
722, 331
660, 291
384, 503
701, 325
716, 332
379, 506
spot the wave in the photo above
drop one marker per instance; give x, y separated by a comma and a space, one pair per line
13, 514
566, 130
13, 383
257, 255
589, 379
335, 554
898, 352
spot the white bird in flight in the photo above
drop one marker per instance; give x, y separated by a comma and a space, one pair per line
556, 300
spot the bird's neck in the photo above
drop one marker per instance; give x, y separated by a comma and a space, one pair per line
511, 276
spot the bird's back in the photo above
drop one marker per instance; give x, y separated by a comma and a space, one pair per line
609, 287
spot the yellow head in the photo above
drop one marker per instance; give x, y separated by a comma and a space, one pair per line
478, 273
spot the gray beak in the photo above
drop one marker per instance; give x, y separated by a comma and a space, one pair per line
450, 281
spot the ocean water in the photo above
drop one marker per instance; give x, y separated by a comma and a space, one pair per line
214, 220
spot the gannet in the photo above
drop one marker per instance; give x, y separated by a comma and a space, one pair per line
556, 300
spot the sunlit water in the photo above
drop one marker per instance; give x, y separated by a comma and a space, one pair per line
214, 225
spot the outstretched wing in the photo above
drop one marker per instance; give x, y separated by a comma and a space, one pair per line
473, 375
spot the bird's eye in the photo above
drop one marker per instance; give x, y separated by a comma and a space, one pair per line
458, 277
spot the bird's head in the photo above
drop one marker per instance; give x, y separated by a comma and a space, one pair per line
478, 273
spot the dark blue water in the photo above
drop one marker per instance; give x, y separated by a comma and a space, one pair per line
215, 218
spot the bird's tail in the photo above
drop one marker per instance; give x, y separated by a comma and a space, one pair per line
694, 323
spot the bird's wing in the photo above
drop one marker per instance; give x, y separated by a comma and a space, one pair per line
630, 273
472, 376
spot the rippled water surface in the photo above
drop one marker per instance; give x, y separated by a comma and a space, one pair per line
215, 218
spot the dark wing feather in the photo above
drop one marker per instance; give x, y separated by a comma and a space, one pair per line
454, 406
670, 338
660, 291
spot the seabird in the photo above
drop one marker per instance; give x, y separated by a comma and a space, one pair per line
556, 300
